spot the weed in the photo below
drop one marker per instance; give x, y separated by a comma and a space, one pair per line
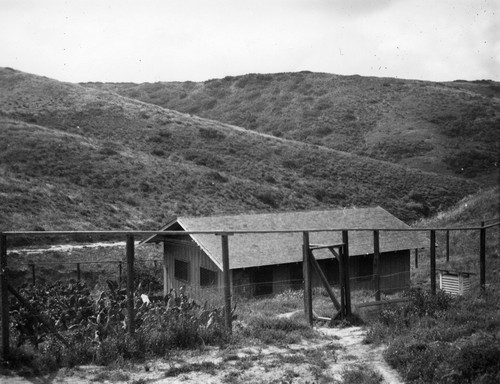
278, 330
111, 376
360, 374
206, 366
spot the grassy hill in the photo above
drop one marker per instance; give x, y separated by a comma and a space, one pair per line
74, 157
448, 128
464, 245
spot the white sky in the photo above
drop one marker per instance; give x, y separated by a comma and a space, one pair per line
170, 40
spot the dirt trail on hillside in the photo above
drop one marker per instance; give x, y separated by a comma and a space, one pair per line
359, 353
321, 360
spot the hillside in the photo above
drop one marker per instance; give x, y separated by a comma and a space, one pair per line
448, 128
74, 157
464, 245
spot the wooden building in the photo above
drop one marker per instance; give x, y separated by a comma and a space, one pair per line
263, 264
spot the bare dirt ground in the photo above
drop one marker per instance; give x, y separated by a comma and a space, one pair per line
312, 361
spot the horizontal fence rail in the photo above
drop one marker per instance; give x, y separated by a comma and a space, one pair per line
242, 232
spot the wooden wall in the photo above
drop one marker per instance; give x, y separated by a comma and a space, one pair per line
188, 251
394, 267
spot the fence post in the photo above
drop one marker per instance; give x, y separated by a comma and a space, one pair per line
345, 240
165, 271
482, 257
78, 274
119, 273
447, 245
376, 263
306, 271
130, 283
416, 257
341, 282
433, 261
4, 298
226, 275
33, 276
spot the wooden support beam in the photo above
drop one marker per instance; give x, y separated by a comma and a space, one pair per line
341, 260
130, 283
43, 319
120, 273
306, 269
482, 257
314, 247
226, 275
165, 270
4, 296
447, 245
324, 280
433, 261
78, 272
347, 282
376, 264
33, 275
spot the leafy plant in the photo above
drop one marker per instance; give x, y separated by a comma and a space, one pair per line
98, 327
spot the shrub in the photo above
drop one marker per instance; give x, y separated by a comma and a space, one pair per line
158, 152
358, 374
414, 360
211, 133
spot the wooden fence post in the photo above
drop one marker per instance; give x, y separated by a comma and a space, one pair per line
341, 282
376, 263
33, 276
347, 283
306, 271
447, 245
78, 273
482, 257
165, 271
433, 261
119, 273
226, 275
4, 296
130, 283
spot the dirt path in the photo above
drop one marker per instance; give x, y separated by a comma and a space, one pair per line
312, 361
356, 351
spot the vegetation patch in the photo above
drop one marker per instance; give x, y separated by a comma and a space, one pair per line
440, 339
360, 374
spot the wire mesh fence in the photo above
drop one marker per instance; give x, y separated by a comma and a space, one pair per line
366, 284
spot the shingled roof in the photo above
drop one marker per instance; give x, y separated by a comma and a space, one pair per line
257, 249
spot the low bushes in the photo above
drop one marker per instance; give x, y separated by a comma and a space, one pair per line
442, 339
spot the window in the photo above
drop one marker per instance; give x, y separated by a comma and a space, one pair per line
181, 270
207, 277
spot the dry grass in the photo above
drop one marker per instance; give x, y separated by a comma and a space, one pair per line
439, 127
79, 158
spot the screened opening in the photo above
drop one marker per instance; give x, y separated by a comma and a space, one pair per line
207, 277
263, 281
181, 270
365, 266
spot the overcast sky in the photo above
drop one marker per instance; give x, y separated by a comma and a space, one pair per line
170, 40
